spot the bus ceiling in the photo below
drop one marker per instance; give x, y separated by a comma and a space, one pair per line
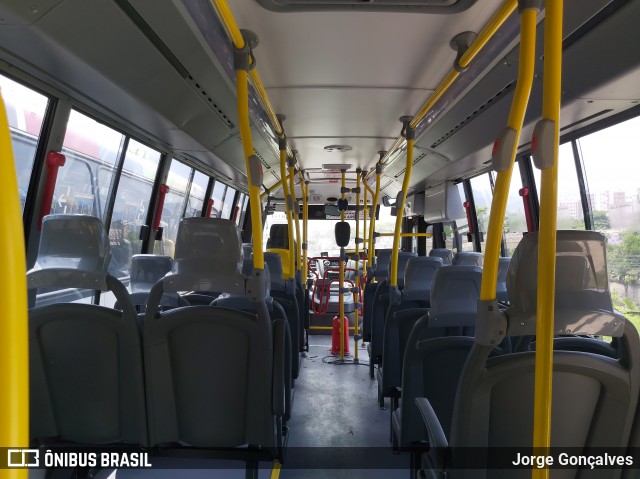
328, 102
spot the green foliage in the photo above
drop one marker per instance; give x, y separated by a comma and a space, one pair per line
601, 220
624, 258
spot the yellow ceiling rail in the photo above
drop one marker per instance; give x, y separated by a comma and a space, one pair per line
14, 331
226, 17
475, 47
504, 152
545, 150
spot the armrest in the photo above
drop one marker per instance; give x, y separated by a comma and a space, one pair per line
436, 435
278, 389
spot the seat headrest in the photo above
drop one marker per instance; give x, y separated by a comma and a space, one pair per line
278, 237
582, 300
418, 277
454, 295
147, 270
403, 258
471, 258
74, 252
383, 258
208, 257
274, 262
444, 253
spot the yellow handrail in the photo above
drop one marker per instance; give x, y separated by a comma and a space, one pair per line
492, 26
341, 277
294, 212
547, 235
365, 241
526, 65
305, 226
372, 224
285, 191
242, 87
356, 294
276, 185
14, 332
408, 235
393, 265
226, 17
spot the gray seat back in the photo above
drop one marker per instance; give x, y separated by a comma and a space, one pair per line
247, 258
86, 375
444, 253
501, 288
274, 262
220, 391
383, 257
147, 270
403, 259
437, 349
468, 258
594, 396
454, 297
418, 278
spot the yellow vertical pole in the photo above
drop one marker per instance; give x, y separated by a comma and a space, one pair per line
305, 226
290, 271
505, 149
356, 294
14, 331
365, 211
374, 206
341, 276
393, 265
547, 235
294, 200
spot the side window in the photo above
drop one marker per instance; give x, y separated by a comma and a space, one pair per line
384, 224
177, 181
570, 215
482, 197
611, 161
241, 209
131, 205
196, 195
218, 199
227, 207
515, 222
25, 113
92, 150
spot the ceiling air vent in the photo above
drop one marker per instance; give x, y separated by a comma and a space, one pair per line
405, 6
386, 184
401, 172
473, 115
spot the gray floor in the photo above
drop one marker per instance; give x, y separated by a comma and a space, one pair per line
336, 424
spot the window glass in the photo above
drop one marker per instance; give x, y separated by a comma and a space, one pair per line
196, 195
227, 207
131, 205
177, 181
25, 113
611, 160
84, 182
384, 224
241, 207
482, 197
515, 222
570, 214
218, 199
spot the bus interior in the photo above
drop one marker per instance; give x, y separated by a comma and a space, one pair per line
226, 207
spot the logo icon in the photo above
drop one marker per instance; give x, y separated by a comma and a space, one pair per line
23, 457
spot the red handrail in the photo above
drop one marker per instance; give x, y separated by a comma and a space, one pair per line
53, 161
